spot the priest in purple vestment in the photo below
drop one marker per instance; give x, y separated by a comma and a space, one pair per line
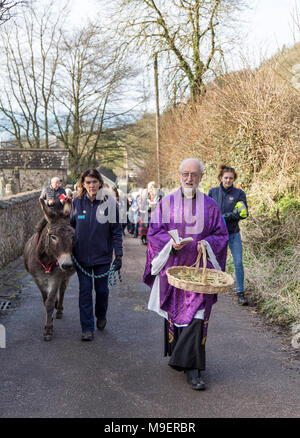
190, 213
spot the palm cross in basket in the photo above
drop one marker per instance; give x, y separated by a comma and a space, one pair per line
189, 278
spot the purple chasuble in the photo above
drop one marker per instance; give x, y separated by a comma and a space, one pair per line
201, 219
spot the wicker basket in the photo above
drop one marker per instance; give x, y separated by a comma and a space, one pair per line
222, 281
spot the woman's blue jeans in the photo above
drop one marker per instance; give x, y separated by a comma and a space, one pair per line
236, 248
86, 296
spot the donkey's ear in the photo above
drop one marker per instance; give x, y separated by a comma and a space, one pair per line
49, 214
67, 207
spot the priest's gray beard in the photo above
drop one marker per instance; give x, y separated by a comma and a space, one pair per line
189, 192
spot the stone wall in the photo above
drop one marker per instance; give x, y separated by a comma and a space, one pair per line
18, 216
31, 169
32, 179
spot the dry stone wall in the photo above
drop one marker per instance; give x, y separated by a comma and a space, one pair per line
31, 179
18, 216
22, 170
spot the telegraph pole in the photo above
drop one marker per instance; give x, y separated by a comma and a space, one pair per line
157, 118
126, 166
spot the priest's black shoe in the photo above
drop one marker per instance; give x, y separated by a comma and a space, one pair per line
101, 323
194, 379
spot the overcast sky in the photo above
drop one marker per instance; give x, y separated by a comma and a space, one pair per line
270, 26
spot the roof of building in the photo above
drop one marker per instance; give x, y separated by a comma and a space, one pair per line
108, 175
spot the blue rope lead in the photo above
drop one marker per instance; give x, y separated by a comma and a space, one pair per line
112, 277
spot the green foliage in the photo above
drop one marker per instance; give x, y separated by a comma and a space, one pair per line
72, 179
229, 264
289, 204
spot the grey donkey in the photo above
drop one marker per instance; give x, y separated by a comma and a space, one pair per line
48, 258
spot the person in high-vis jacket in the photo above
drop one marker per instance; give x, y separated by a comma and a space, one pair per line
233, 205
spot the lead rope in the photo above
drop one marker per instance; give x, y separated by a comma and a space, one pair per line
111, 273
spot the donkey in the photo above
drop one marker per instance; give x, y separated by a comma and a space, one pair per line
48, 258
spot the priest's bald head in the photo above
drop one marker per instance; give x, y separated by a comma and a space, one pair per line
191, 171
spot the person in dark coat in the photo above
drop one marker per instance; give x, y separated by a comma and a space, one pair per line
98, 233
233, 205
54, 195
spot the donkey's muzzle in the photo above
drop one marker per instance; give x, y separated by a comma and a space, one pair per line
68, 267
65, 263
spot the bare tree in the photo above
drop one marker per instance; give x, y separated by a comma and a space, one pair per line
190, 34
7, 9
92, 72
31, 57
62, 84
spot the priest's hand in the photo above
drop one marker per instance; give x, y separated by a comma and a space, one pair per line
179, 246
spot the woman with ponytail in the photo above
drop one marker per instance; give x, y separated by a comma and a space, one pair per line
233, 205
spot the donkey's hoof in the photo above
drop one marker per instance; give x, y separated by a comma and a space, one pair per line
47, 337
59, 315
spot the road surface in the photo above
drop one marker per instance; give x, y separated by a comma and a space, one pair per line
251, 369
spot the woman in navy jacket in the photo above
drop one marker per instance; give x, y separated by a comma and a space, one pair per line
95, 217
227, 196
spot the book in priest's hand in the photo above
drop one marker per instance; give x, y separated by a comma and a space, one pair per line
177, 239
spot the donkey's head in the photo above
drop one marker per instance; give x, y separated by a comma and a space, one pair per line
57, 236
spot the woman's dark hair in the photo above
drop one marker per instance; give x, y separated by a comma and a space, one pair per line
114, 189
93, 173
223, 168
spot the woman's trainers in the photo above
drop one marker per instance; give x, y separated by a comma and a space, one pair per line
101, 323
242, 300
87, 336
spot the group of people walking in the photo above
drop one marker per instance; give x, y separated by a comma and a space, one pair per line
211, 221
140, 205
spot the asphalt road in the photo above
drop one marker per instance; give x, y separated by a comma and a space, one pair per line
251, 369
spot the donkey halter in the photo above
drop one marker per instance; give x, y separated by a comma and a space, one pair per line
48, 269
